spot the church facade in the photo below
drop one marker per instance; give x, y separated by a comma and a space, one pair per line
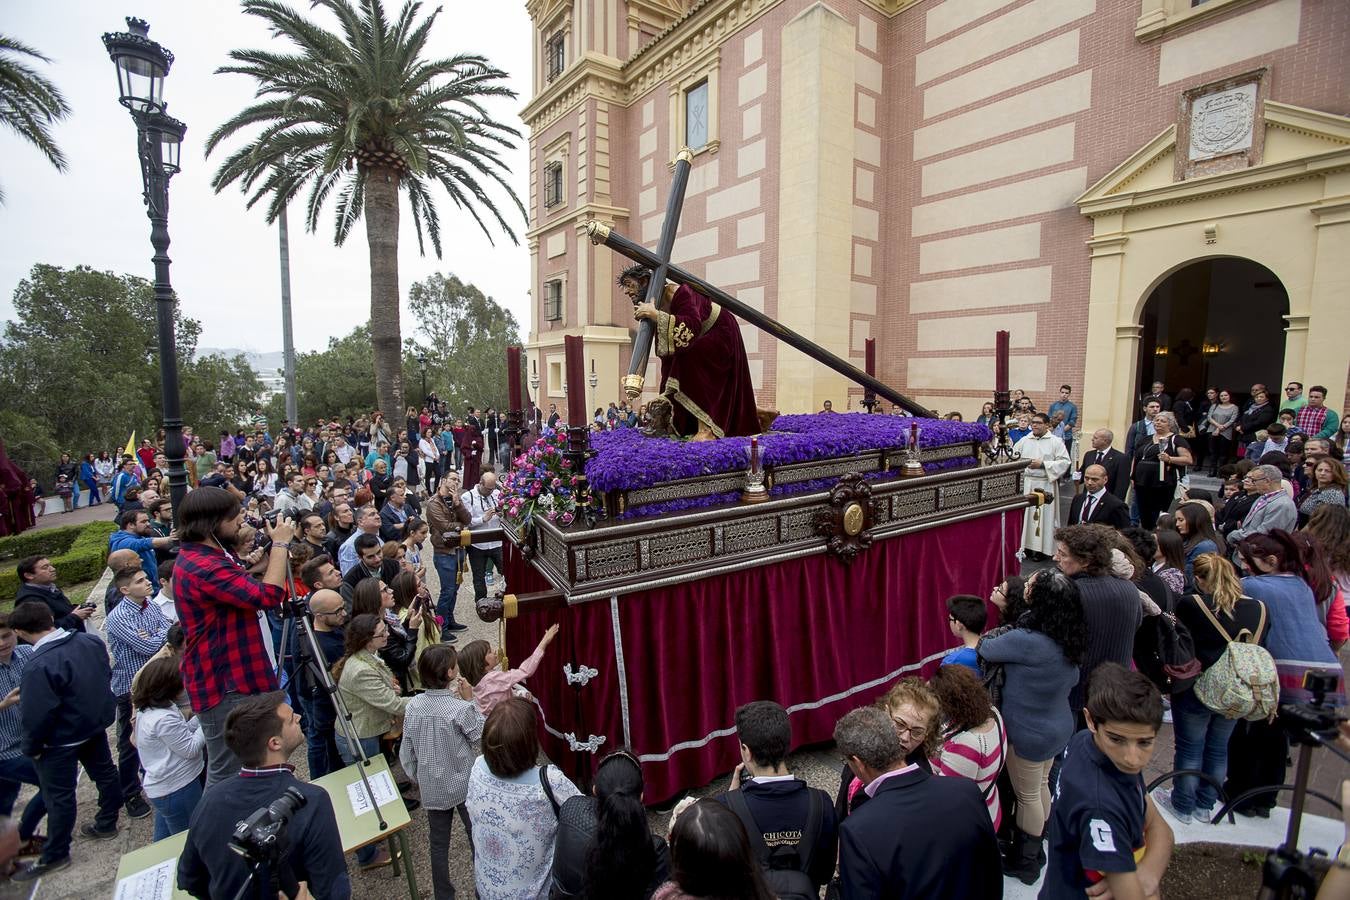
1135, 189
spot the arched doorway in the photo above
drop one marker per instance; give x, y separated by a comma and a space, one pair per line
1214, 323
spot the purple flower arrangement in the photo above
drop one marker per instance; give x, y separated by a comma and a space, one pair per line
625, 459
541, 483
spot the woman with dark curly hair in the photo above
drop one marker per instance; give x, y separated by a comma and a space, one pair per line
974, 744
1040, 658
1008, 597
1111, 608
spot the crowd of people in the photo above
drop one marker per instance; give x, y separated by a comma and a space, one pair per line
1031, 737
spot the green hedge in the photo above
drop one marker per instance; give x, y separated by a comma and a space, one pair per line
77, 551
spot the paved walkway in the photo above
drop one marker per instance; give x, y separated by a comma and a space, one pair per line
56, 518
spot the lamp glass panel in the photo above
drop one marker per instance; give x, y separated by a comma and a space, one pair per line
141, 82
170, 148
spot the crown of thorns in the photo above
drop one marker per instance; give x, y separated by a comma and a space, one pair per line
636, 273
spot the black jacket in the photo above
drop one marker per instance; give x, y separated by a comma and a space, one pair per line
1110, 511
1117, 466
571, 853
781, 808
921, 837
66, 693
62, 609
209, 868
1256, 418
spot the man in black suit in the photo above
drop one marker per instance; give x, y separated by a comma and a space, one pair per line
1096, 505
1116, 464
918, 836
37, 581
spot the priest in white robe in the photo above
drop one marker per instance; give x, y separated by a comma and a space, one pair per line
1049, 462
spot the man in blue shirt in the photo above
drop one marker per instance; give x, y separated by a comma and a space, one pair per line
1103, 826
1070, 410
136, 631
137, 534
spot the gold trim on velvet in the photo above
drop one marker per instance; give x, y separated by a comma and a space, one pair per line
677, 396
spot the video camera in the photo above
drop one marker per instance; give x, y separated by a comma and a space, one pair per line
262, 836
1307, 722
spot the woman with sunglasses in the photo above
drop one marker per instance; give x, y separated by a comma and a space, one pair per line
1040, 659
372, 596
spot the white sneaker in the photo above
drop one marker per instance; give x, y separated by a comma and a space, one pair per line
1203, 816
1164, 801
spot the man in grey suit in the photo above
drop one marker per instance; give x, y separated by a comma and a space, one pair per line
1273, 507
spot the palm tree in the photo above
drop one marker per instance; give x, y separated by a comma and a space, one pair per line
360, 112
29, 103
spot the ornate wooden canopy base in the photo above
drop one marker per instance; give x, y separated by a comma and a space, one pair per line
618, 557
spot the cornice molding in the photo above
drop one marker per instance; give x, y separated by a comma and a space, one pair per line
579, 216
707, 25
594, 75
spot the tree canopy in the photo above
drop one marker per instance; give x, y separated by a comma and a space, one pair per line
359, 112
462, 332
79, 369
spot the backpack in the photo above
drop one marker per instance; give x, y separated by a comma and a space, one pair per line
1243, 682
1176, 651
785, 873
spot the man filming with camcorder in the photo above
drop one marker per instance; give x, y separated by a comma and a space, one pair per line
264, 815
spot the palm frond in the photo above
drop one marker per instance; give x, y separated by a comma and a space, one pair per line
30, 104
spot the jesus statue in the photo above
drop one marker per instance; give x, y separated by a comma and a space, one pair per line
704, 372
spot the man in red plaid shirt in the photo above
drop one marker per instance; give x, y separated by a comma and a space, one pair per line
228, 651
1316, 419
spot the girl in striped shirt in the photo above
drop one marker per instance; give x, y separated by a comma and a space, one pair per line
974, 742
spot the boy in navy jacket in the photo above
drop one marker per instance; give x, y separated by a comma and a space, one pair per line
66, 706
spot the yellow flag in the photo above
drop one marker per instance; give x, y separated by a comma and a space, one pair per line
131, 446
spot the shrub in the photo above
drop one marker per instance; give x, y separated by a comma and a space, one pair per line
77, 551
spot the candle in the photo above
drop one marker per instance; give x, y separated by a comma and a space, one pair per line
1001, 361
870, 349
754, 454
592, 367
513, 377
575, 361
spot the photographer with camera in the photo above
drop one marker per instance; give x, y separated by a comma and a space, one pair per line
228, 653
262, 731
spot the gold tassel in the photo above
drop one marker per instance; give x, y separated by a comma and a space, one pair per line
509, 611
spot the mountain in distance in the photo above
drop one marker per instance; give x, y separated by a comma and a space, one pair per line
265, 364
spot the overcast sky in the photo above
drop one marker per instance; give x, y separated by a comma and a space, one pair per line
225, 260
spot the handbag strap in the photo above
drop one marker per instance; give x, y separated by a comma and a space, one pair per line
548, 789
1209, 614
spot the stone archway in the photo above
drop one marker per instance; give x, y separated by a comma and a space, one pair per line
1215, 322
1290, 214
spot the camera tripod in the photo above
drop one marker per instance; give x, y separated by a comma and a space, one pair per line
310, 659
1288, 872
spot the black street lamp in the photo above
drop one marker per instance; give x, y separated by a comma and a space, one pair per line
142, 66
422, 364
